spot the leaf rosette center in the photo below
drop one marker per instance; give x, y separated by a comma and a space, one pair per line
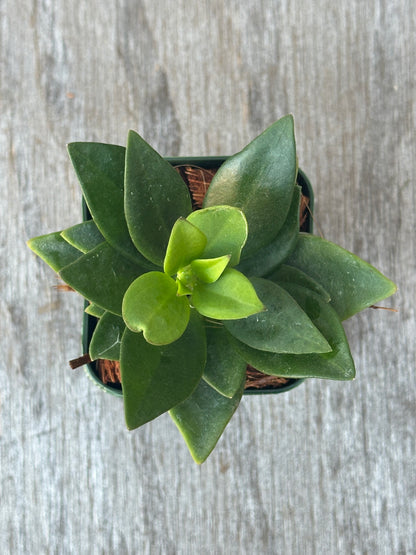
197, 273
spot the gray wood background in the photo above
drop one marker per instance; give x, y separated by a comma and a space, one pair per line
328, 468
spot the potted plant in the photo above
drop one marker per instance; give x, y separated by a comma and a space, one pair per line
186, 297
197, 172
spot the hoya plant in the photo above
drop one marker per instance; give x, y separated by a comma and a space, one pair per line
186, 299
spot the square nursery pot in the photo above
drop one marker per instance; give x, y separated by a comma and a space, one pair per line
197, 173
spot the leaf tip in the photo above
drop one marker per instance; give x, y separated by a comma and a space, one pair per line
394, 287
350, 374
72, 148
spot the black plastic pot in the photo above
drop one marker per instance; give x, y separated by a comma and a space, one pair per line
89, 323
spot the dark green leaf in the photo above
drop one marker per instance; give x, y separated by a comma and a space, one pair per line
225, 369
155, 379
84, 236
155, 197
225, 228
336, 365
351, 283
106, 339
202, 418
151, 305
289, 274
282, 328
102, 276
231, 296
259, 180
273, 254
100, 170
54, 250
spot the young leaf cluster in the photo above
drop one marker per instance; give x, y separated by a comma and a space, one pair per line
186, 299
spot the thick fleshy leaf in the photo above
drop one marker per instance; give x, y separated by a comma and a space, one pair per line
232, 296
102, 276
106, 339
151, 305
269, 257
259, 180
209, 270
94, 310
84, 237
155, 379
289, 274
225, 228
351, 283
183, 289
202, 418
225, 369
155, 197
100, 170
336, 365
186, 242
54, 250
282, 328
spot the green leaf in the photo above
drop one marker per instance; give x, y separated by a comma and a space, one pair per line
100, 170
186, 242
209, 270
155, 379
106, 339
155, 197
282, 328
225, 369
231, 296
183, 289
289, 274
225, 228
273, 254
94, 310
151, 305
54, 250
84, 236
336, 365
202, 418
259, 180
102, 276
351, 283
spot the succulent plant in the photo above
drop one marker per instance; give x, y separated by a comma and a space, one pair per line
187, 298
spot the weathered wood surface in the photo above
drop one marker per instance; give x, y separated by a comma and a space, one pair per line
328, 468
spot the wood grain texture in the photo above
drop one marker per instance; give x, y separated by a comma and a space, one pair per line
327, 468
